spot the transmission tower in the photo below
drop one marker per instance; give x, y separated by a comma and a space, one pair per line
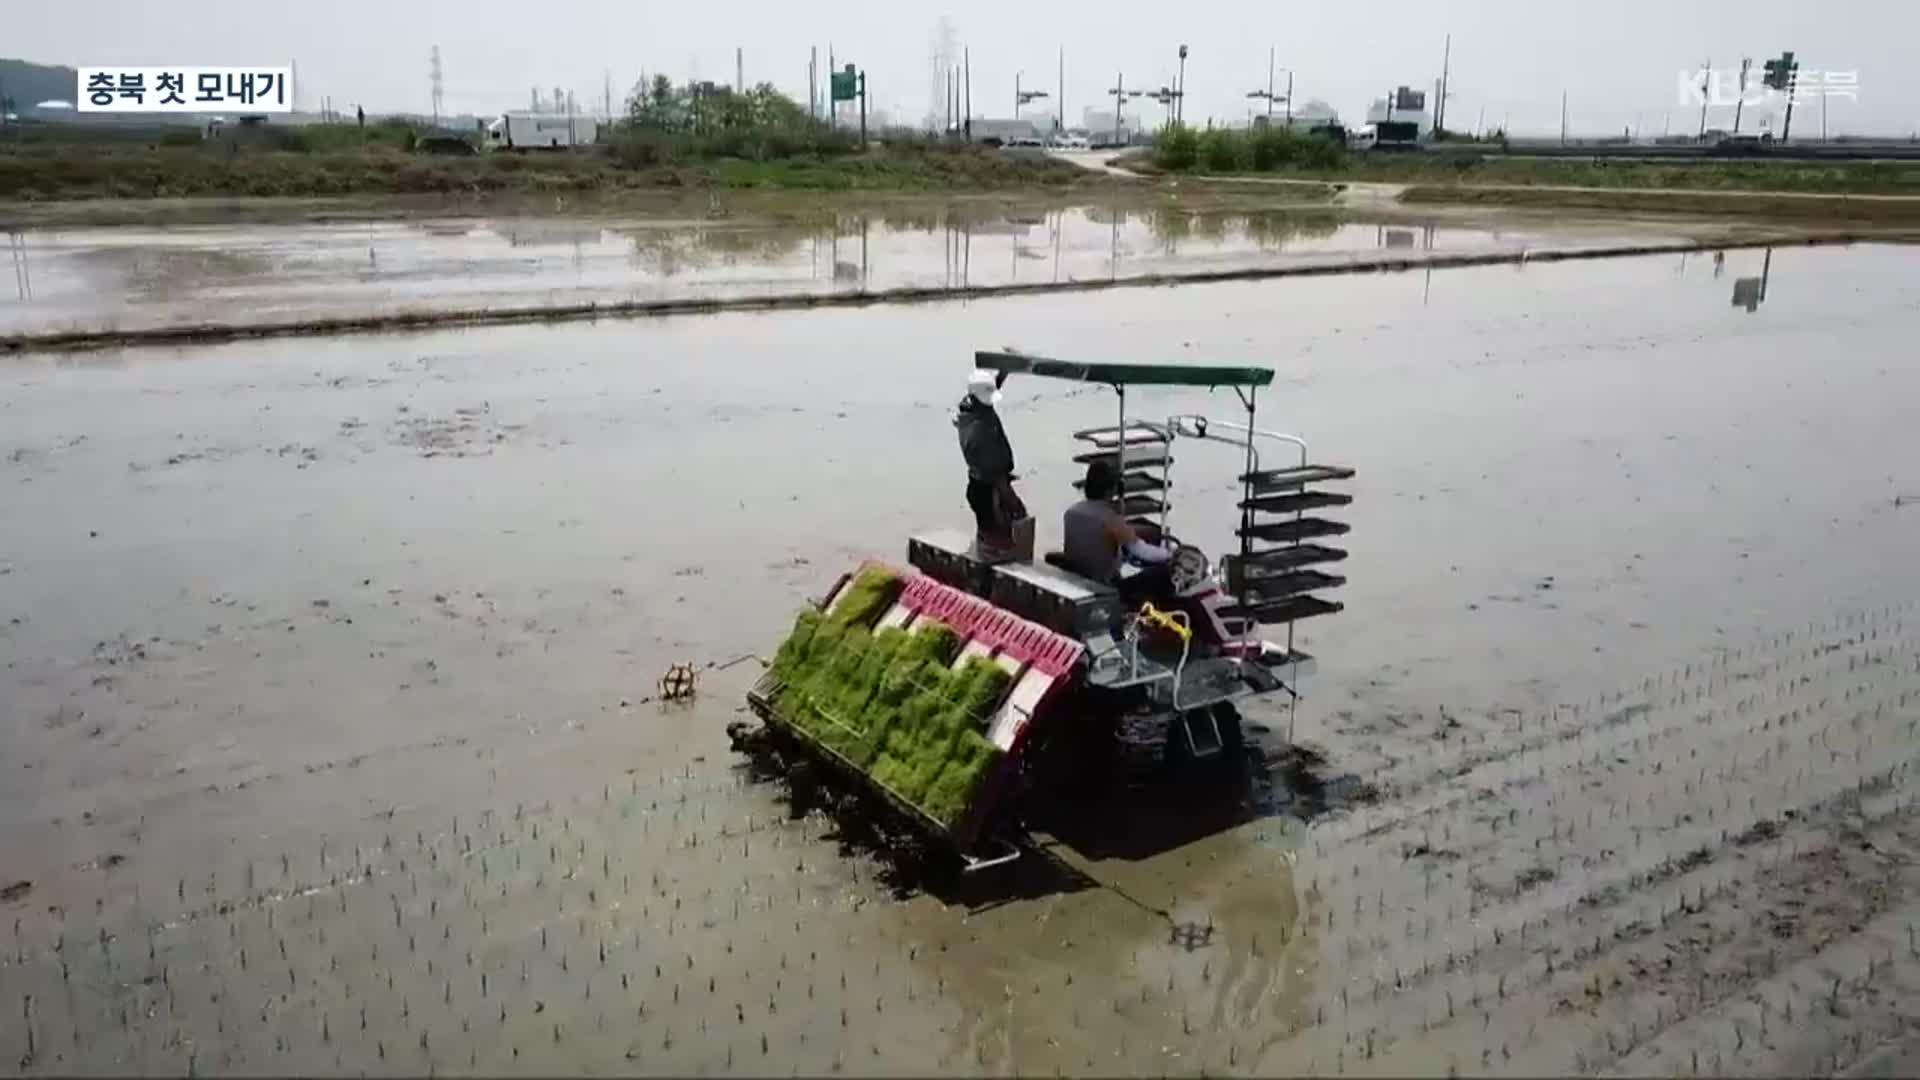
437, 86
942, 52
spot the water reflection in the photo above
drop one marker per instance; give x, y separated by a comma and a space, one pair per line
1751, 292
137, 277
890, 248
22, 275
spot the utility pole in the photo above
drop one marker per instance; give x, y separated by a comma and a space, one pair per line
1270, 51
1180, 89
1021, 97
1706, 85
1119, 97
606, 93
966, 59
436, 85
1783, 74
1440, 109
1740, 102
1563, 118
813, 82
739, 70
833, 111
1270, 96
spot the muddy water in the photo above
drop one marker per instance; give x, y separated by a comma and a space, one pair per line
128, 278
329, 744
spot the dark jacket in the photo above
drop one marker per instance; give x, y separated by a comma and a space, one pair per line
983, 442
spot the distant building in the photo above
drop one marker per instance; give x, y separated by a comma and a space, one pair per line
1306, 116
1042, 118
1100, 124
983, 129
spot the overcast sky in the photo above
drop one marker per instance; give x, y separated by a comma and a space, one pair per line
1618, 61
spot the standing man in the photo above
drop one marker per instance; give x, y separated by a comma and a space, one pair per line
989, 457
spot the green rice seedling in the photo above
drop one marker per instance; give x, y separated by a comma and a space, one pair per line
831, 681
885, 771
914, 728
967, 766
966, 698
904, 654
821, 647
984, 684
867, 596
792, 654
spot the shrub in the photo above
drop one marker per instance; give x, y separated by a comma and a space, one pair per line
1222, 150
1177, 148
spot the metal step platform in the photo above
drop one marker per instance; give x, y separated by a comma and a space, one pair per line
1202, 732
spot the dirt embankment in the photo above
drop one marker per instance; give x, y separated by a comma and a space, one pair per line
1837, 209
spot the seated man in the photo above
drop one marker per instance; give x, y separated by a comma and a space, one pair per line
1096, 533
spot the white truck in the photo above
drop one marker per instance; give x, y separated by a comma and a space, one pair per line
541, 131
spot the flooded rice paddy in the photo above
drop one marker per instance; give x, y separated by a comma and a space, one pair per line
130, 279
330, 747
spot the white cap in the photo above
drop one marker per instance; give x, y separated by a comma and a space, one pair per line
982, 385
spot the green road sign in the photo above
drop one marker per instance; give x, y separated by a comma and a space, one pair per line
1780, 73
845, 84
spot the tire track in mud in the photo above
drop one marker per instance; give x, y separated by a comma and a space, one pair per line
1756, 763
1716, 865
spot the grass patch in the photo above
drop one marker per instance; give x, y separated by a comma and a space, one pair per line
36, 172
891, 703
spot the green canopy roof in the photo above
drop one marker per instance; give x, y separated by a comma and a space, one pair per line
1124, 374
